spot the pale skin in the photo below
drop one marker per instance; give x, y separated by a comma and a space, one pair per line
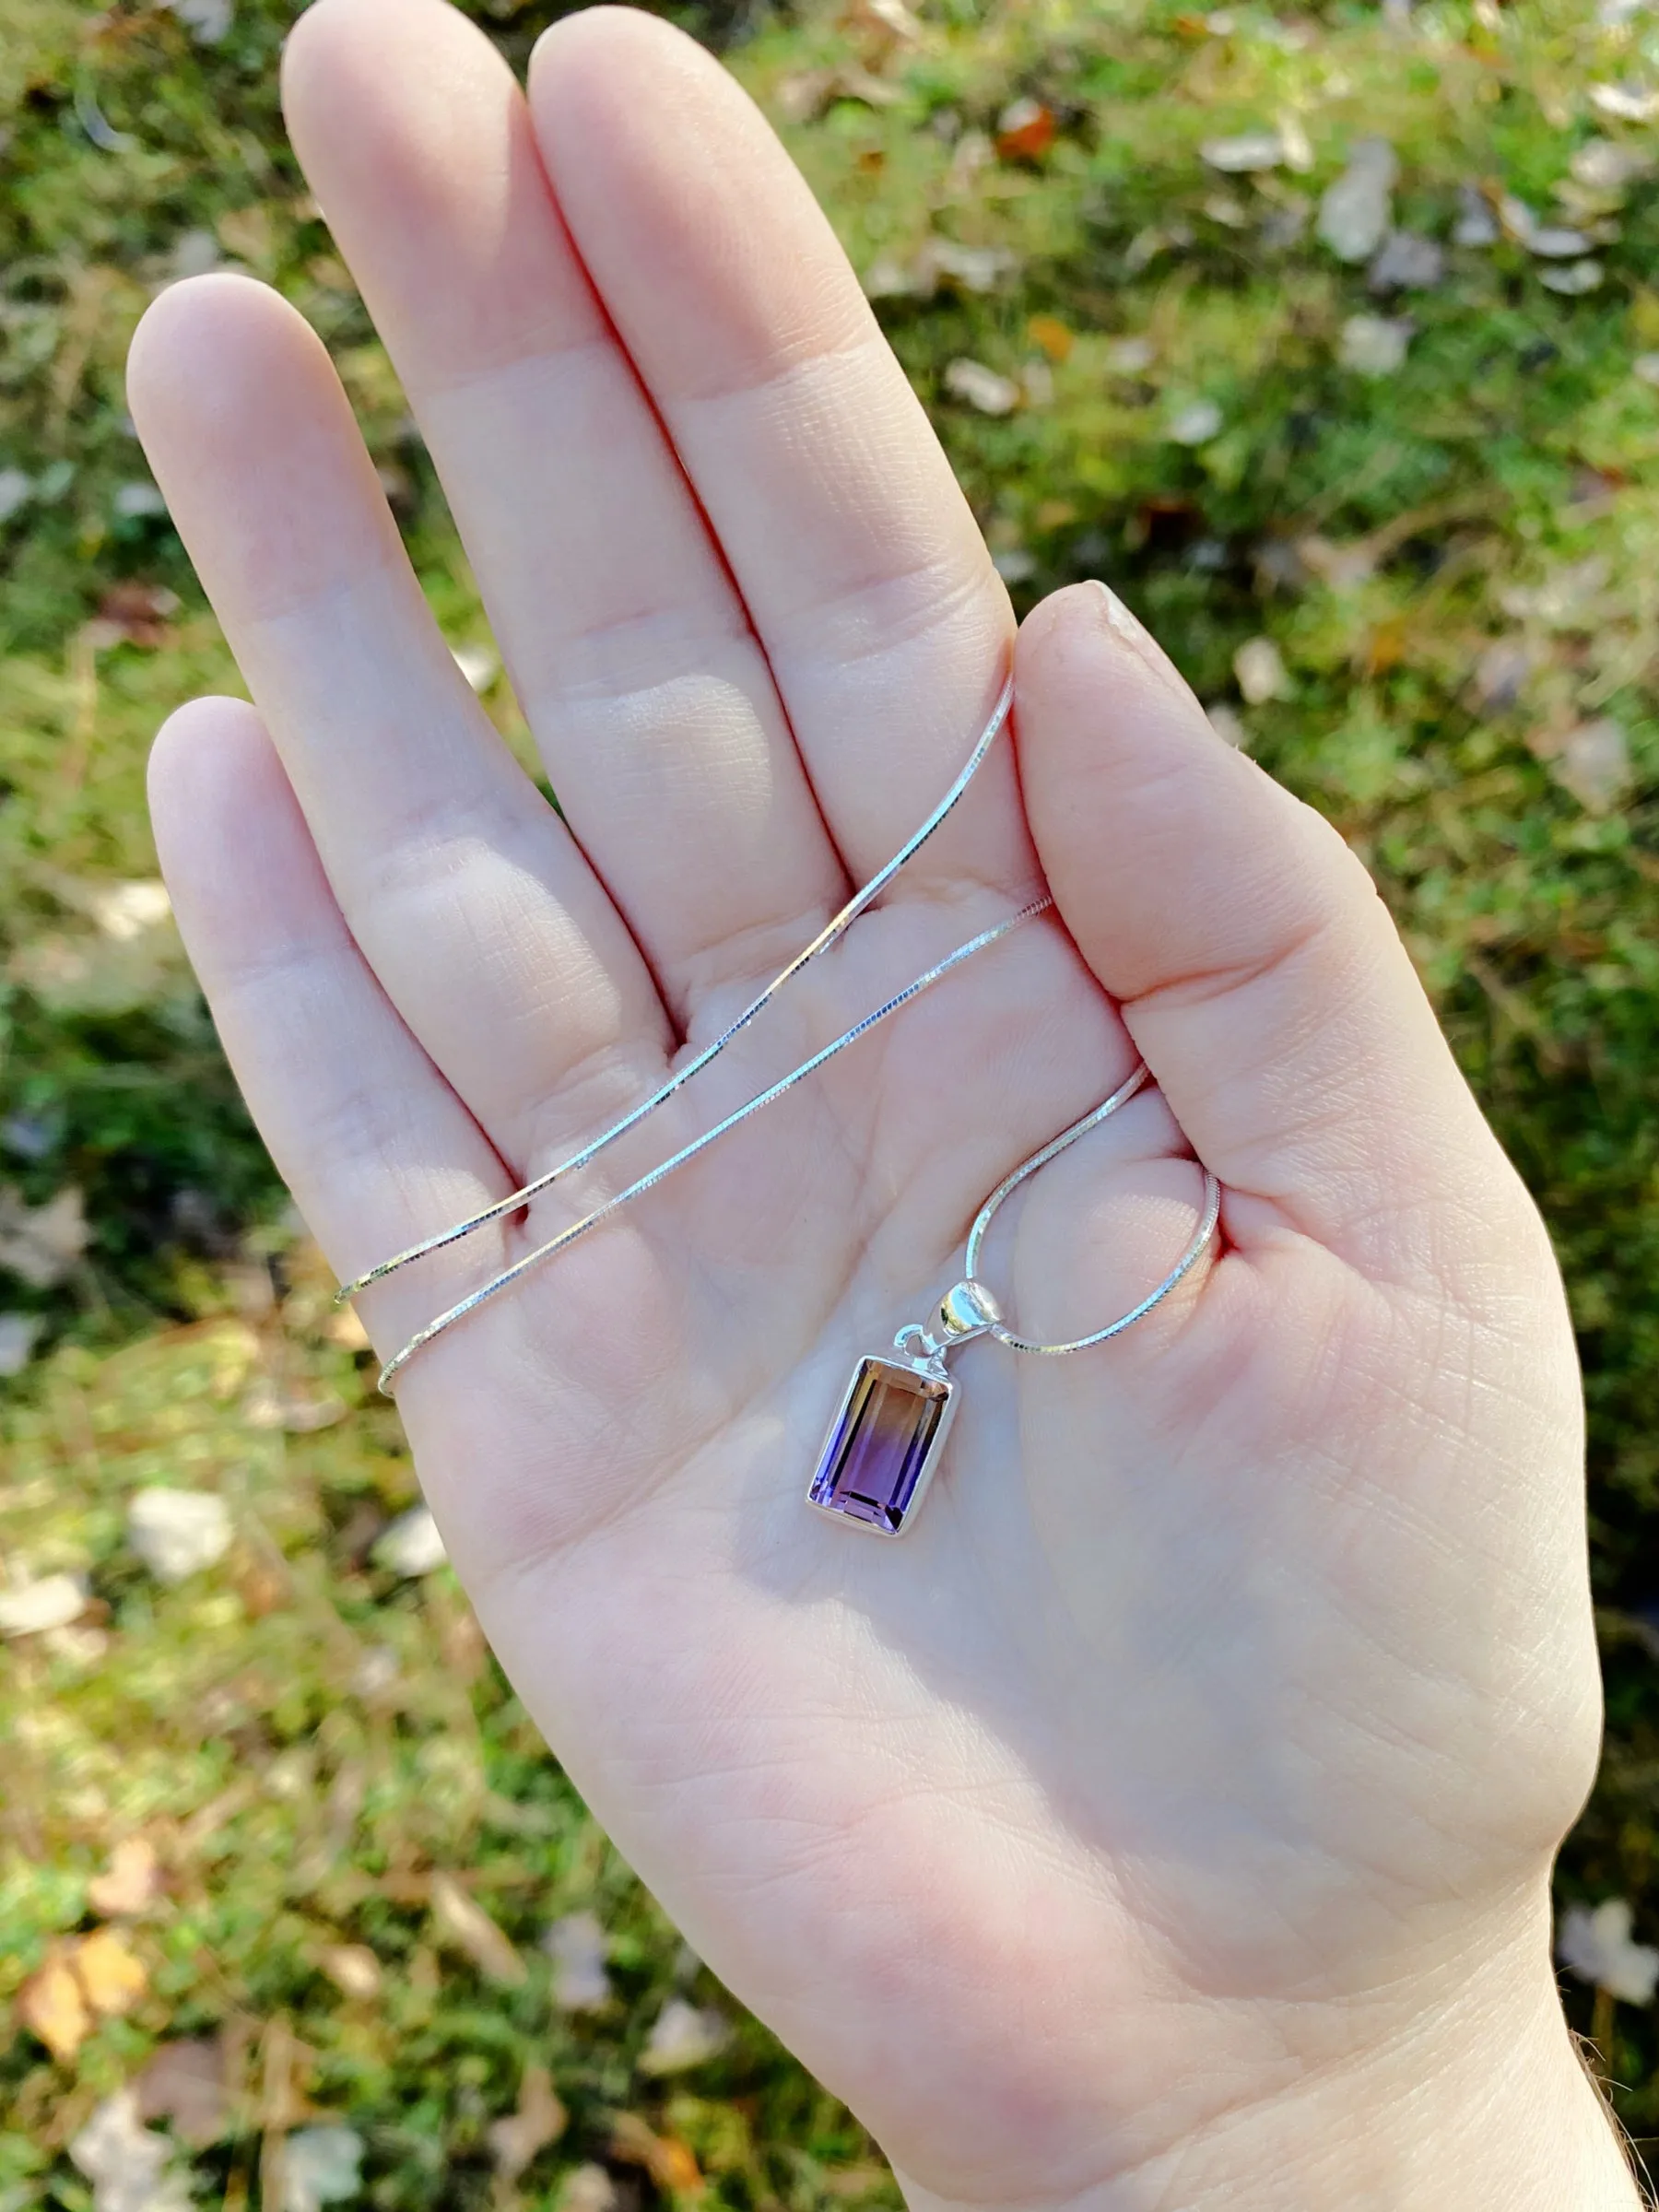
1166, 1822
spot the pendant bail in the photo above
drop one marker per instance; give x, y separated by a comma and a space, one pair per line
966, 1311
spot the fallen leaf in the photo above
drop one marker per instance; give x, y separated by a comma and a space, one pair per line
52, 2006
1294, 146
296, 1412
1356, 213
132, 613
1624, 103
1037, 382
1500, 672
1568, 597
1551, 242
889, 279
469, 1929
139, 501
124, 910
972, 269
178, 1533
42, 1243
29, 1608
1341, 566
1025, 130
577, 1947
540, 2120
1384, 648
1592, 762
1572, 278
1246, 155
670, 2163
981, 387
132, 1881
410, 1545
889, 20
18, 1334
352, 1968
1196, 424
113, 1978
130, 2167
208, 21
1608, 165
682, 2036
1596, 1946
185, 2083
1050, 335
1406, 262
1227, 209
589, 2189
1476, 224
1130, 357
320, 2166
1260, 671
1374, 345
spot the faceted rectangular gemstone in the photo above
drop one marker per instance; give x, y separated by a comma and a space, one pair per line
883, 1445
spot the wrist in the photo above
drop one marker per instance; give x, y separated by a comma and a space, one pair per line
1476, 2102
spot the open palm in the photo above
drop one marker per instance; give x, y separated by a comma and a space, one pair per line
1226, 1706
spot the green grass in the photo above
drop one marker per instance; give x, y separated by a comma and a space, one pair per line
303, 1790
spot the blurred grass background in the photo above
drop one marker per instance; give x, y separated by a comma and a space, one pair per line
278, 1853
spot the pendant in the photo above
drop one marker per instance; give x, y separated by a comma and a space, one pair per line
888, 1437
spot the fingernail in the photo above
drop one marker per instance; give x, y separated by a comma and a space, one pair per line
1131, 631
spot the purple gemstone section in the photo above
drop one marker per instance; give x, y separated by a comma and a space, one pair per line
878, 1451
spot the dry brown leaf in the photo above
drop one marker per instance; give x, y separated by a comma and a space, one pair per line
52, 2006
465, 1924
352, 1968
185, 2083
1051, 336
1025, 130
132, 1881
113, 1978
134, 614
540, 2120
670, 2163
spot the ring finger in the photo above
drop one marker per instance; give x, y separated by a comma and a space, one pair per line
465, 890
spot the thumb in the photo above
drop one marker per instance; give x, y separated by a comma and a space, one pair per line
1257, 969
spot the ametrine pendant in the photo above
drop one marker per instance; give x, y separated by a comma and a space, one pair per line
885, 1441
884, 1444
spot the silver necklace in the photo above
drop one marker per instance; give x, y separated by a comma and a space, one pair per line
886, 1440
889, 1433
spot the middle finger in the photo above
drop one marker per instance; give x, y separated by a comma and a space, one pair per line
628, 645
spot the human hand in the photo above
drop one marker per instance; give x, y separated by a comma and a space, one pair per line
1167, 1821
